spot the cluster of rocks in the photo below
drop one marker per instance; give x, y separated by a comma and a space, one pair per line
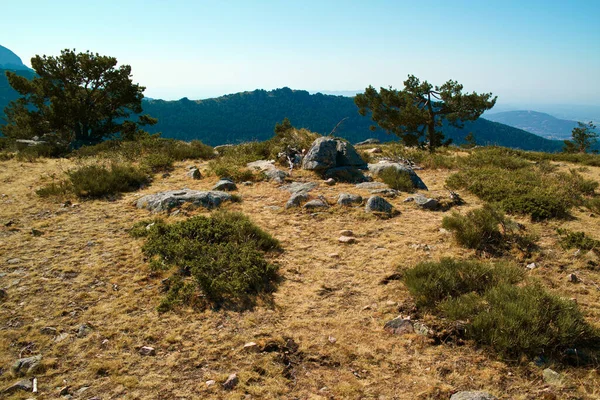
165, 201
267, 167
336, 159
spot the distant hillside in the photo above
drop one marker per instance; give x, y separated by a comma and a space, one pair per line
252, 115
9, 60
541, 124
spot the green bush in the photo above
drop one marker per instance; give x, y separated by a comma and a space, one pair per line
577, 240
223, 254
398, 180
432, 282
593, 205
517, 321
487, 229
97, 181
59, 189
158, 162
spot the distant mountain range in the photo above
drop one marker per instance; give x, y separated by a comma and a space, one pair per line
9, 60
541, 124
252, 115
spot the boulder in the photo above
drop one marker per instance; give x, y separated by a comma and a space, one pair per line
347, 200
316, 203
472, 396
378, 204
194, 173
383, 165
225, 184
322, 155
267, 167
348, 157
399, 326
426, 203
299, 187
297, 199
165, 201
368, 141
345, 174
275, 175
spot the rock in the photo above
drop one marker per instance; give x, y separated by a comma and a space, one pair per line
299, 187
64, 391
421, 329
13, 261
210, 383
572, 278
194, 173
314, 204
472, 396
267, 167
347, 156
275, 175
346, 239
426, 203
531, 266
165, 201
322, 155
231, 382
3, 294
147, 351
329, 182
331, 339
225, 184
248, 183
377, 204
552, 377
346, 199
297, 199
251, 347
375, 150
346, 174
48, 330
346, 232
27, 366
391, 193
84, 330
36, 232
383, 165
25, 385
399, 326
368, 141
61, 337
372, 185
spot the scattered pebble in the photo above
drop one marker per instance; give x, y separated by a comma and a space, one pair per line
147, 351
231, 382
346, 239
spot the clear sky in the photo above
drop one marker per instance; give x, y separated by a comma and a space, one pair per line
523, 51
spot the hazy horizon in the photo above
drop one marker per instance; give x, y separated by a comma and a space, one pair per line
526, 52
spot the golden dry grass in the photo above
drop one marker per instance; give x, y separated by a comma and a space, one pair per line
85, 268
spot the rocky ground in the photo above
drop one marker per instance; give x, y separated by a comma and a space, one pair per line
77, 291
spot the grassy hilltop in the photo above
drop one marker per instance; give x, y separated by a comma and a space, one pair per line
88, 279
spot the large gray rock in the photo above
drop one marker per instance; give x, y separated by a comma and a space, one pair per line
225, 185
297, 199
348, 157
299, 187
27, 366
347, 200
269, 170
425, 202
383, 165
377, 204
322, 155
165, 201
472, 396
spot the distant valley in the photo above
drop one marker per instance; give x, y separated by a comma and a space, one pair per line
541, 124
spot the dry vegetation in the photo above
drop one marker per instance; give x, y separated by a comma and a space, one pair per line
322, 328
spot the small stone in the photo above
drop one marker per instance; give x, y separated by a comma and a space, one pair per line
330, 182
84, 330
26, 366
378, 204
61, 337
64, 391
210, 383
346, 199
421, 329
317, 203
147, 351
552, 377
296, 199
531, 266
399, 326
444, 231
472, 396
194, 173
231, 382
333, 255
346, 239
572, 278
24, 385
13, 261
331, 339
346, 232
36, 232
246, 183
48, 330
251, 347
390, 303
226, 185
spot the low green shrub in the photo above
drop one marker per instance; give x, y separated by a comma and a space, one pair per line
55, 189
224, 255
431, 282
577, 240
95, 181
398, 180
158, 162
487, 229
593, 205
517, 321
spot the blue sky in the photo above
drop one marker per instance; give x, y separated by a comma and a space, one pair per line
523, 51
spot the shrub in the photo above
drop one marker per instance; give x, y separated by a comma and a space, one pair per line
593, 205
577, 240
432, 282
223, 254
158, 162
61, 188
487, 229
398, 180
98, 181
517, 321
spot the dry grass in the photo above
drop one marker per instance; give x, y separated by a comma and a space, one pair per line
85, 268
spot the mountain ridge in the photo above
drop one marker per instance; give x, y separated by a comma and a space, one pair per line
538, 123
